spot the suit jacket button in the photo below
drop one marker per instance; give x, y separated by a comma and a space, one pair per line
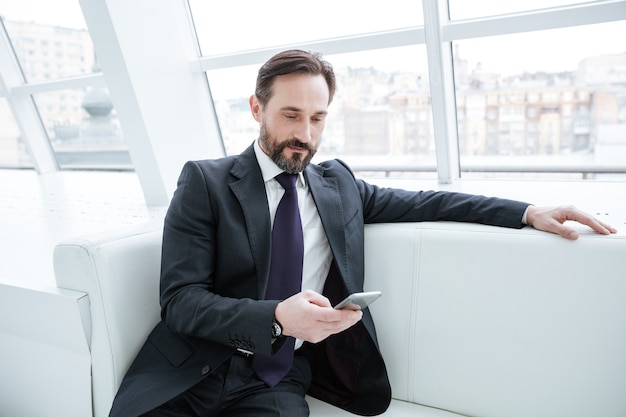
206, 369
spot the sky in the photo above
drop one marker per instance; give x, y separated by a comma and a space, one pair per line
65, 13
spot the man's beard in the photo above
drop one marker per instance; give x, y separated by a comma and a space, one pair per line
275, 151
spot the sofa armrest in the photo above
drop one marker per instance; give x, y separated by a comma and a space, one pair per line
119, 270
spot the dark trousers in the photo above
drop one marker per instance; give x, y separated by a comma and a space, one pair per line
233, 389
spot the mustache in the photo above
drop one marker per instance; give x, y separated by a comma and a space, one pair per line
296, 144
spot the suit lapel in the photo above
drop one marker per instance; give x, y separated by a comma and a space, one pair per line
327, 197
249, 189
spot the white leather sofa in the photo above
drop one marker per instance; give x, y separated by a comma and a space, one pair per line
473, 321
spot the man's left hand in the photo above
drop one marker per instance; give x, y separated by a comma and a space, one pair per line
552, 219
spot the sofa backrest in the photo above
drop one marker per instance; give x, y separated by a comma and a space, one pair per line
473, 319
494, 322
119, 270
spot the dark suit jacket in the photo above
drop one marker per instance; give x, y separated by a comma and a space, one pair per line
215, 266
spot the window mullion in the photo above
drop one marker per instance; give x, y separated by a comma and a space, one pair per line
442, 91
24, 109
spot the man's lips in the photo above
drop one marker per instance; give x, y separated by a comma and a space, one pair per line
297, 148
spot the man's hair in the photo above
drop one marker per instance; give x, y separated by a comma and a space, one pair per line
289, 62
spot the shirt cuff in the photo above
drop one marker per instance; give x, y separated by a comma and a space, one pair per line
524, 221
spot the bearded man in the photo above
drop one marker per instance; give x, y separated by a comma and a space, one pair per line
248, 325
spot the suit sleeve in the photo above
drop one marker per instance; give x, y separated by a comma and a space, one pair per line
191, 302
397, 205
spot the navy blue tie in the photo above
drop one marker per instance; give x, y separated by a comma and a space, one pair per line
285, 277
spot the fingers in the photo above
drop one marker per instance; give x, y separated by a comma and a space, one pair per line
592, 222
611, 229
338, 318
309, 316
574, 214
315, 298
329, 321
333, 321
552, 219
567, 233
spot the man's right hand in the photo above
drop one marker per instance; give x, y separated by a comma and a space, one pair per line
309, 316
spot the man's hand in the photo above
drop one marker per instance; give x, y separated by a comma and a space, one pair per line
309, 316
551, 219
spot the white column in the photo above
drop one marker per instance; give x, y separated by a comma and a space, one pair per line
146, 49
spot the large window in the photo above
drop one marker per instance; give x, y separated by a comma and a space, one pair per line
432, 88
83, 128
463, 9
246, 24
79, 126
543, 101
13, 152
47, 51
537, 91
381, 110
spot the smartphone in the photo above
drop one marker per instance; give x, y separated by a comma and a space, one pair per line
358, 300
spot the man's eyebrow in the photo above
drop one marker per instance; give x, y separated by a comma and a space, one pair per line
299, 110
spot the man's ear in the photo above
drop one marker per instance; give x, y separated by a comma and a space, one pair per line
255, 108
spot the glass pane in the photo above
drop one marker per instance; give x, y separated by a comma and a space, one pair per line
83, 128
49, 45
463, 9
12, 150
380, 117
81, 125
544, 99
250, 24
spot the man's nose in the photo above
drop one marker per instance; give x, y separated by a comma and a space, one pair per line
303, 132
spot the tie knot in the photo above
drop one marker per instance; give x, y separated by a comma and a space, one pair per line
288, 181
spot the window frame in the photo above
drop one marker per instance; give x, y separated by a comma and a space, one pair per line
126, 60
438, 33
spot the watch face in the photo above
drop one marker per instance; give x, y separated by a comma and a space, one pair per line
276, 330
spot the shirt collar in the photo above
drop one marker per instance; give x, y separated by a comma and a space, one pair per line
269, 169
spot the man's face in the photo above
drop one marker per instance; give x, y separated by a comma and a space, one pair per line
293, 120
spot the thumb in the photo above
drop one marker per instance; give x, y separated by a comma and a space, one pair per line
567, 232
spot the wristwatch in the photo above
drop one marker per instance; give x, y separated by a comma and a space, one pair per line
277, 329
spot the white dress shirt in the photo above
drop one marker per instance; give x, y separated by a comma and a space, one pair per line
317, 254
